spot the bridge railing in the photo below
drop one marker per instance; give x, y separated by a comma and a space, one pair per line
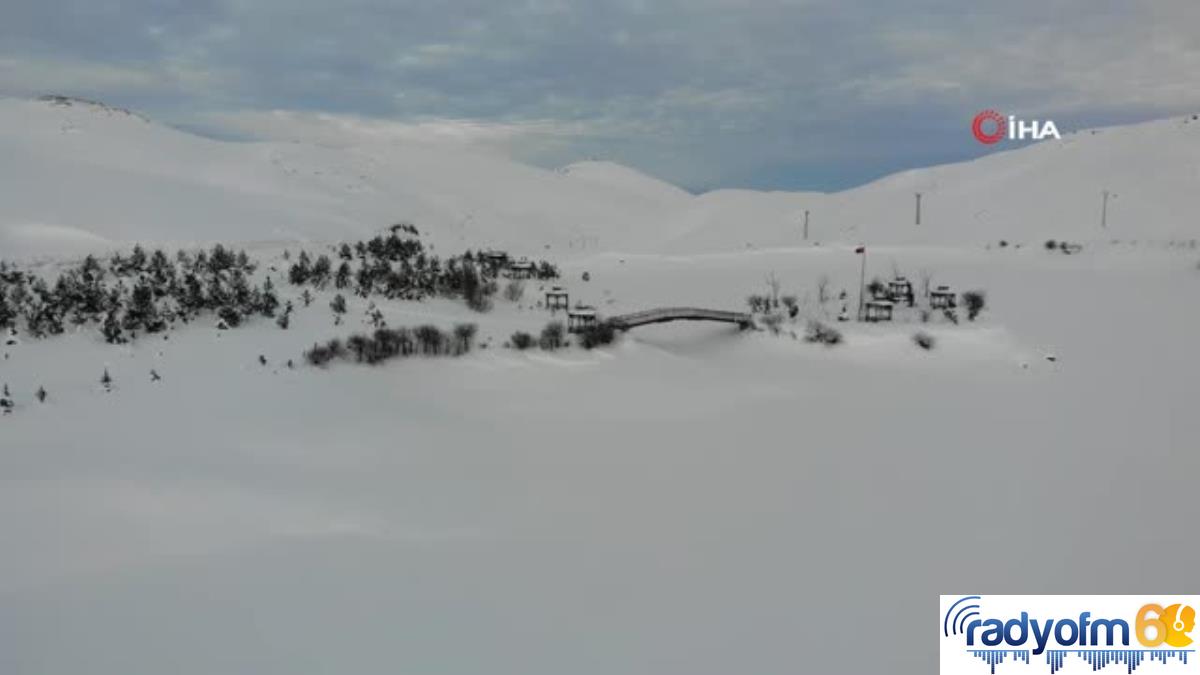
679, 313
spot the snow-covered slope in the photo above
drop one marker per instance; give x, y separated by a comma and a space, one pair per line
1052, 189
691, 500
625, 182
82, 176
78, 175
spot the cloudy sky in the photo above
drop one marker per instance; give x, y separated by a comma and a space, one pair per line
795, 94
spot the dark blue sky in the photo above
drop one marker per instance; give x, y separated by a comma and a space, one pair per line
790, 94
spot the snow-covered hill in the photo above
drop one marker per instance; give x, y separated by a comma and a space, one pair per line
692, 500
1052, 189
75, 175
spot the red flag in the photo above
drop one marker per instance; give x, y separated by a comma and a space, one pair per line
861, 249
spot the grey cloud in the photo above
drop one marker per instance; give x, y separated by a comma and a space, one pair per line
703, 92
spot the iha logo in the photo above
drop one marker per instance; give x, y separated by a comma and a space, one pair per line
1098, 630
990, 127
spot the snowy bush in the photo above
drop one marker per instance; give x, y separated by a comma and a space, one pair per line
521, 341
603, 333
819, 333
974, 302
430, 339
773, 321
792, 305
336, 348
390, 343
464, 337
758, 303
547, 270
924, 341
230, 316
358, 344
480, 299
320, 355
553, 336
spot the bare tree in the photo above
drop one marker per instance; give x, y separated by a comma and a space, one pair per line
823, 289
926, 281
773, 285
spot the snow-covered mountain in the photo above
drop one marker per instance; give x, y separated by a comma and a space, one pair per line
692, 499
1052, 189
78, 175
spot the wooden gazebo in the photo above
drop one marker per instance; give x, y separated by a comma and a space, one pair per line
901, 290
494, 259
522, 269
557, 298
580, 318
878, 310
942, 298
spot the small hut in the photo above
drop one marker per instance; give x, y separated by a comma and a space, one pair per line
580, 318
901, 290
942, 298
522, 269
557, 298
494, 259
878, 310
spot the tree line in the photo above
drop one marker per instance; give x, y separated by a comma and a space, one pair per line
136, 293
150, 292
399, 267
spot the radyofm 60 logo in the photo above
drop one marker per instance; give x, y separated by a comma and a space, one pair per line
1073, 633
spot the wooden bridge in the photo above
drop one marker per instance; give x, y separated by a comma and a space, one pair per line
664, 314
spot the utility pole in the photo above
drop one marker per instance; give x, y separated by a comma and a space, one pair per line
862, 282
918, 208
1104, 211
805, 224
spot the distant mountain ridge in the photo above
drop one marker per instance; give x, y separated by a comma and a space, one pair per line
72, 179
